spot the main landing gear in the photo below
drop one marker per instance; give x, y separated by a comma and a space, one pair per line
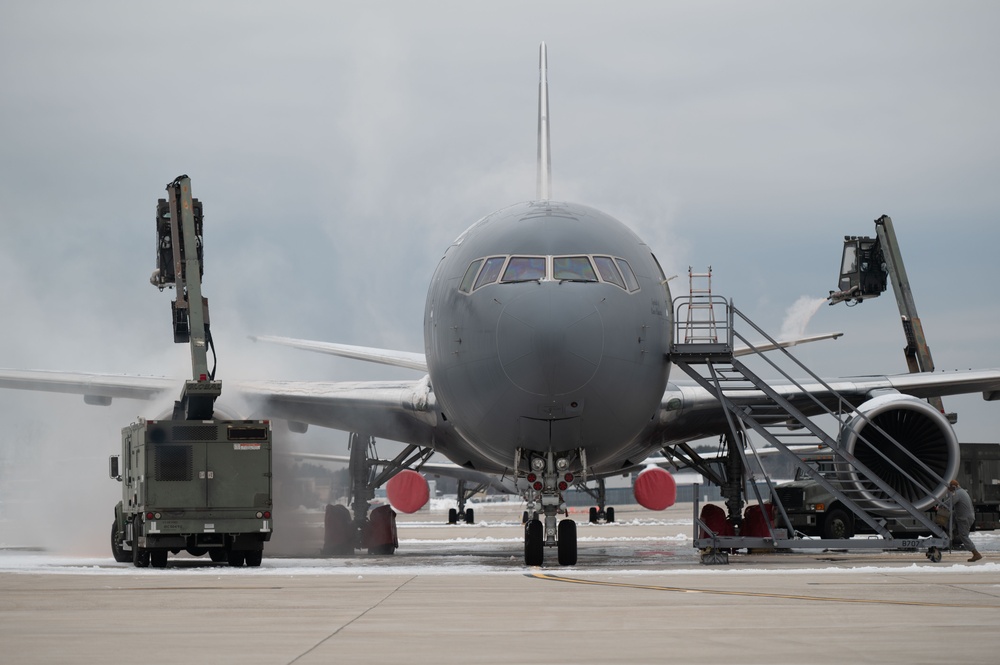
346, 532
547, 480
601, 512
464, 494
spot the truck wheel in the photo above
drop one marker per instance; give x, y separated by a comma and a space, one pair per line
838, 524
218, 555
254, 557
158, 557
236, 558
140, 557
121, 556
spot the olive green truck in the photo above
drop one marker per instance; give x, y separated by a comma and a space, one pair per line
195, 486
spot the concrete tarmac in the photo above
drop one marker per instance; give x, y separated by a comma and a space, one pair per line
461, 595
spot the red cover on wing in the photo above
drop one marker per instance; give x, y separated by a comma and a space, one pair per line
407, 491
655, 489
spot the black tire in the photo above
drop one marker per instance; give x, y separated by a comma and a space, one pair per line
382, 550
470, 516
934, 554
524, 517
120, 555
158, 558
534, 543
593, 515
218, 555
452, 516
838, 524
609, 515
567, 543
254, 557
140, 557
236, 558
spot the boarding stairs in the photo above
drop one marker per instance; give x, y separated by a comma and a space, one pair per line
784, 418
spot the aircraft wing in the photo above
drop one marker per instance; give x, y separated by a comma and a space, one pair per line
405, 359
693, 412
95, 388
397, 410
447, 469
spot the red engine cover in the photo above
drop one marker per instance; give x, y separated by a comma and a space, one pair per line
407, 491
655, 488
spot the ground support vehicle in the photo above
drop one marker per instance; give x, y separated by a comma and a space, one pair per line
199, 487
192, 482
814, 511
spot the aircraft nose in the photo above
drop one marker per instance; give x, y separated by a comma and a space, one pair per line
550, 339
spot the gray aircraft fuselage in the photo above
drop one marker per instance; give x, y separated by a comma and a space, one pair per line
554, 363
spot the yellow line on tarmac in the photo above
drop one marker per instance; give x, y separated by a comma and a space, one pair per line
753, 594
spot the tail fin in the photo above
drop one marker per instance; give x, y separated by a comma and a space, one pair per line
544, 154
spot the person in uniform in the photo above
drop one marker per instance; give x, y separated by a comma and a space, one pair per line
963, 516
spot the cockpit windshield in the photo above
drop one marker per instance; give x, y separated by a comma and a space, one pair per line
581, 268
490, 271
524, 269
609, 273
573, 268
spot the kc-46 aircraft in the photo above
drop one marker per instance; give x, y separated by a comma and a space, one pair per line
549, 338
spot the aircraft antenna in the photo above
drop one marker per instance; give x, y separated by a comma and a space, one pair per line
544, 154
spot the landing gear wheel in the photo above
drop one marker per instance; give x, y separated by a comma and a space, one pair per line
524, 517
452, 516
254, 557
236, 558
158, 558
470, 516
609, 515
593, 515
534, 543
121, 556
218, 555
934, 554
567, 543
838, 524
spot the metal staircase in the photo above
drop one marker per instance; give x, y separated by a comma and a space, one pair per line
783, 417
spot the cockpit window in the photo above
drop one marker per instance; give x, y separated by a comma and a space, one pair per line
609, 273
524, 269
470, 275
514, 269
490, 271
630, 281
573, 268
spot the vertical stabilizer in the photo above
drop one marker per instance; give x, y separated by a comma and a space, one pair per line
544, 154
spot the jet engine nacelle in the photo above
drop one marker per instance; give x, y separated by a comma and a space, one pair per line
655, 488
407, 491
918, 427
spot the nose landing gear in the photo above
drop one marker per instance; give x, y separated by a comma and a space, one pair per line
548, 478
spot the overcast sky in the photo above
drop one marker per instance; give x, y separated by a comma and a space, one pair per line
338, 148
